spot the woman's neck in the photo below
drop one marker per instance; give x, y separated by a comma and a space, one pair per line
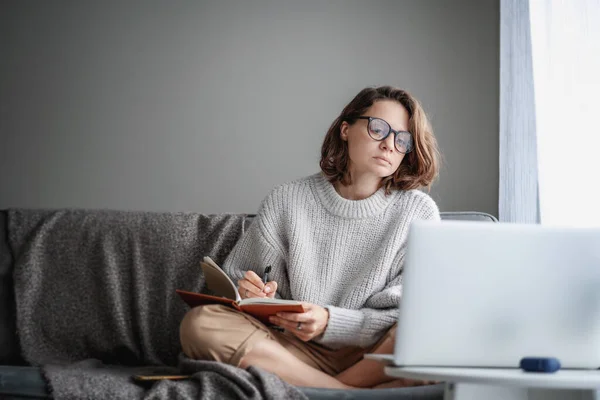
361, 188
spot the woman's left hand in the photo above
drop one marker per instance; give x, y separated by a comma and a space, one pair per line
306, 325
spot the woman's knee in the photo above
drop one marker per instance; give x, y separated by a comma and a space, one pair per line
195, 334
189, 332
217, 333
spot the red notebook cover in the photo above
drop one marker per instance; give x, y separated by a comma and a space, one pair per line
262, 312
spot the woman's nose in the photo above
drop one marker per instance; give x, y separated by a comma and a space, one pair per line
388, 142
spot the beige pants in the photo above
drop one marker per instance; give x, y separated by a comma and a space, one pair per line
220, 333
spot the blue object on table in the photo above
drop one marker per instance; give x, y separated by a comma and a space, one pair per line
540, 364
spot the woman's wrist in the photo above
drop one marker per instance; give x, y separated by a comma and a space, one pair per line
326, 318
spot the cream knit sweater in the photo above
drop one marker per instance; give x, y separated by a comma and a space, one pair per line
345, 255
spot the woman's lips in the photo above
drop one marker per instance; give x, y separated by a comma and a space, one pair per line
383, 160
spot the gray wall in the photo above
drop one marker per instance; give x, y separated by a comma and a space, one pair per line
206, 105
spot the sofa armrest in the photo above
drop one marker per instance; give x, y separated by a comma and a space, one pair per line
468, 216
22, 382
9, 344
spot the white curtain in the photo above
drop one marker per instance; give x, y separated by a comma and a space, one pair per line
518, 191
549, 108
566, 69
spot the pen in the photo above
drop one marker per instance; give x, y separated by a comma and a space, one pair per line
266, 275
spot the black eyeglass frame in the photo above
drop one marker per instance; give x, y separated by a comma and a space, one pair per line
390, 130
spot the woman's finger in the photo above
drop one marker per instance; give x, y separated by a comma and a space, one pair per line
282, 322
255, 279
305, 317
305, 326
270, 289
305, 333
247, 289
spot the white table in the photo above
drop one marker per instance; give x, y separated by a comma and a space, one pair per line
507, 383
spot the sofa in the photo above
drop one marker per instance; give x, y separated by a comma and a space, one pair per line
79, 285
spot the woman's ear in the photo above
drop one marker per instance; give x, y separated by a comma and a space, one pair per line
344, 131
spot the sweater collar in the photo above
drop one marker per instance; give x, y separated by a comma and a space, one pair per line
343, 207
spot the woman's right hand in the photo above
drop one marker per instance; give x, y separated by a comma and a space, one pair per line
252, 286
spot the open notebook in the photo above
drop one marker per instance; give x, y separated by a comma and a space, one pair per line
226, 293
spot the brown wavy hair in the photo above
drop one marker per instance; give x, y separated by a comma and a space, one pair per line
419, 168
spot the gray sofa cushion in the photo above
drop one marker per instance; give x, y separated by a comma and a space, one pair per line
27, 383
9, 346
430, 392
101, 284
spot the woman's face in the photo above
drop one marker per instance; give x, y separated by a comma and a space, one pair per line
371, 157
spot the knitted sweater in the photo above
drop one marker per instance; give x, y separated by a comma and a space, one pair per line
344, 255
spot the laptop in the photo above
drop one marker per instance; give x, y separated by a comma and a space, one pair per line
479, 294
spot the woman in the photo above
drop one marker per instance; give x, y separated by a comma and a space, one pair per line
336, 241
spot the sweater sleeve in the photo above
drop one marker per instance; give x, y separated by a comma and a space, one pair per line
365, 326
257, 249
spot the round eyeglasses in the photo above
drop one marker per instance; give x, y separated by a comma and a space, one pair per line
379, 129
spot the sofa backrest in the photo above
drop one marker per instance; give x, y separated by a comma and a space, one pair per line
101, 284
178, 239
446, 215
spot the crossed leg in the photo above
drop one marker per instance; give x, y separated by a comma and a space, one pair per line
275, 358
371, 374
222, 334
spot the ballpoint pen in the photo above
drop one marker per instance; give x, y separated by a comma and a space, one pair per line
266, 275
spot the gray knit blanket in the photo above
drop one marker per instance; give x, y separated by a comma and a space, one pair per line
96, 302
208, 380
